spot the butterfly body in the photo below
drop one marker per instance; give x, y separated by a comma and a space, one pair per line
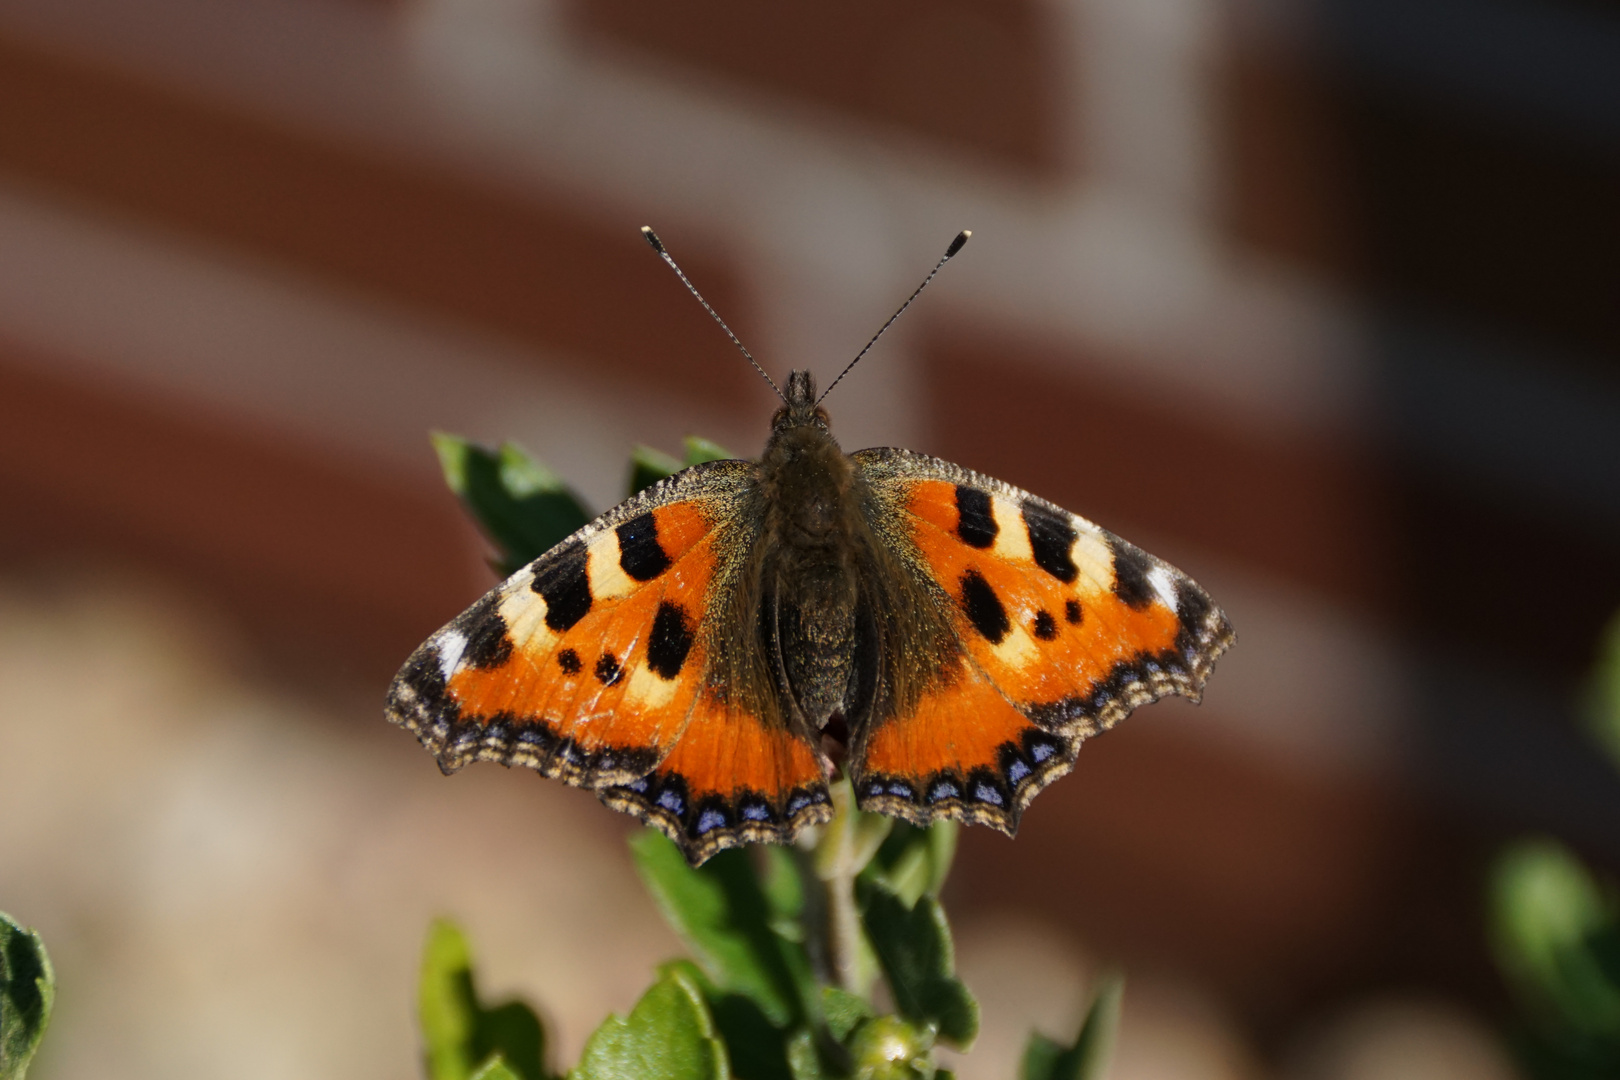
708, 654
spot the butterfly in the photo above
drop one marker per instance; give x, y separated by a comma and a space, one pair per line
711, 653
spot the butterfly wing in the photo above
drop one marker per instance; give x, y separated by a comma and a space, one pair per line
595, 664
1061, 629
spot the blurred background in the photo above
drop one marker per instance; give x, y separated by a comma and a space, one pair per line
1317, 299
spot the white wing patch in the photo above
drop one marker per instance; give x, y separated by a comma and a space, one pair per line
1163, 580
451, 645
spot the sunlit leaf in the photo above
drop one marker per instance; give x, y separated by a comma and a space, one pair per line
648, 465
669, 1035
459, 1034
27, 992
1603, 706
699, 450
913, 861
783, 880
523, 507
757, 1048
919, 962
495, 1069
725, 917
1093, 1047
844, 1011
804, 1062
1555, 933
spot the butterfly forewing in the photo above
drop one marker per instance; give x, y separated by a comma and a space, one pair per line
593, 664
1063, 629
586, 664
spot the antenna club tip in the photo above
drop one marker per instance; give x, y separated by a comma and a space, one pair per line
652, 239
959, 243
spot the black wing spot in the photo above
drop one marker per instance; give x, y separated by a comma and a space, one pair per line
976, 525
566, 586
1072, 612
640, 555
671, 640
1192, 608
1045, 626
568, 660
488, 645
1131, 566
608, 670
984, 608
1051, 540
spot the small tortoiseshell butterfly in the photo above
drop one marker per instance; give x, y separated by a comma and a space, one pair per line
708, 654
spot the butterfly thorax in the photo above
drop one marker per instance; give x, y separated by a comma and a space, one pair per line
812, 543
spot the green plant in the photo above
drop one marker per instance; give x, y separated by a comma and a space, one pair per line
786, 943
27, 992
1555, 931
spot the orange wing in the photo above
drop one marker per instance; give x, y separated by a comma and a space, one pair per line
590, 665
1063, 627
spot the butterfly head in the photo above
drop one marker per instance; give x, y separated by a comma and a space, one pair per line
799, 407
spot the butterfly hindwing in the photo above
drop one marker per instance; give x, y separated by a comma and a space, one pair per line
1063, 629
734, 777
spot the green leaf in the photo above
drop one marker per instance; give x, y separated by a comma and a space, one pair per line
523, 507
648, 466
914, 947
756, 1047
699, 450
804, 1061
844, 1011
914, 861
1087, 1059
27, 992
459, 1035
723, 914
1603, 706
669, 1035
495, 1069
1556, 936
783, 881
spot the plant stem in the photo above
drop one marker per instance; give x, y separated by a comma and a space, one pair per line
848, 844
844, 919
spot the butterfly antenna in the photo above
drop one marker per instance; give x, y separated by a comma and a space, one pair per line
956, 245
658, 246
